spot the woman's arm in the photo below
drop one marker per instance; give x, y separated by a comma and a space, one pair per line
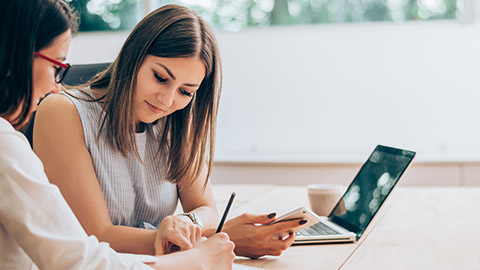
59, 142
196, 200
35, 218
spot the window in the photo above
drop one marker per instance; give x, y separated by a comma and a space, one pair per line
235, 15
107, 15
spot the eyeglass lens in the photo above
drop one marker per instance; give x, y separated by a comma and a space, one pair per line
60, 74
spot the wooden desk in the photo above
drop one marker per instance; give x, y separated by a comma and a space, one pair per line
418, 228
426, 228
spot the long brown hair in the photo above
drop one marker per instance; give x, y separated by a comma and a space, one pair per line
27, 26
187, 135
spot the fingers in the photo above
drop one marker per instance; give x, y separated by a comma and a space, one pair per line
181, 241
215, 253
171, 244
223, 250
285, 242
222, 236
176, 233
193, 233
197, 234
284, 226
159, 248
229, 245
224, 240
256, 241
277, 246
257, 219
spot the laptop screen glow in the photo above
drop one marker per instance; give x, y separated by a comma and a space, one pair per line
367, 192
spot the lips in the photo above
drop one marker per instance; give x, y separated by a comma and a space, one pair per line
154, 108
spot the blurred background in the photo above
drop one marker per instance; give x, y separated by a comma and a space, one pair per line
312, 86
108, 15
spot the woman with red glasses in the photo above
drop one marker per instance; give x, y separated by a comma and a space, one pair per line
61, 69
37, 227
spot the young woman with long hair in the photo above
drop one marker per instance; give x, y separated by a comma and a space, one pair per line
140, 136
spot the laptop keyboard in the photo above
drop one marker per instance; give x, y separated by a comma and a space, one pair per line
317, 229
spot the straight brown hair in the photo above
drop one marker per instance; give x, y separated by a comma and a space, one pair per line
27, 26
187, 135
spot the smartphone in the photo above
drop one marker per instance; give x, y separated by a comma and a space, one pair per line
300, 214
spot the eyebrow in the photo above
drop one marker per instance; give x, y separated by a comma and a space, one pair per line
173, 76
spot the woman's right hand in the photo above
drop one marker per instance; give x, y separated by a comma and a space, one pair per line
216, 252
176, 233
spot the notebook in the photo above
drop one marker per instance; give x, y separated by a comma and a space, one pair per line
237, 266
128, 257
361, 201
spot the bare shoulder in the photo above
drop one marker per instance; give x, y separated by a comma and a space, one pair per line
57, 104
57, 115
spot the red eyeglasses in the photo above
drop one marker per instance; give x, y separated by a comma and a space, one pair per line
60, 71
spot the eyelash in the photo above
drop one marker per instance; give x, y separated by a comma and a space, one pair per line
160, 79
186, 93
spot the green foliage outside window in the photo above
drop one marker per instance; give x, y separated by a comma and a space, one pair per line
234, 15
107, 15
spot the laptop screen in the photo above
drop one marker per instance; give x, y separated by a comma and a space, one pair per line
370, 188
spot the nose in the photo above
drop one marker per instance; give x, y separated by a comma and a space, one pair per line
167, 97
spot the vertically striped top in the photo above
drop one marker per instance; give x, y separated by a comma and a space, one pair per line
135, 193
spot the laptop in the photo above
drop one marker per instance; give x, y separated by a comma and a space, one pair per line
361, 201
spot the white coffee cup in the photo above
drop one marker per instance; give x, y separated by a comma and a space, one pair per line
323, 197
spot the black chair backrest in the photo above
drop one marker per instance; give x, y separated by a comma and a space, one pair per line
80, 74
77, 74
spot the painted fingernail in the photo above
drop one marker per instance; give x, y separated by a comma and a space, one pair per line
302, 222
271, 215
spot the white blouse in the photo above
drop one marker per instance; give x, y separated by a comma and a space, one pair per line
37, 227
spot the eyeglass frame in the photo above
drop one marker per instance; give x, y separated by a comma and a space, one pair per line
60, 65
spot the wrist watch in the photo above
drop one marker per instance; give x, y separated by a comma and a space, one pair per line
194, 218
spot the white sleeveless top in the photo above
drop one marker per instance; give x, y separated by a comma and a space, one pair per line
136, 194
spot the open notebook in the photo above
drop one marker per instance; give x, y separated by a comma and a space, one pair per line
237, 266
128, 257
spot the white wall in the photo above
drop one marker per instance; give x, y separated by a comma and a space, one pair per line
330, 93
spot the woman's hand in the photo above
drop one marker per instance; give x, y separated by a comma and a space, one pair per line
216, 252
176, 233
255, 237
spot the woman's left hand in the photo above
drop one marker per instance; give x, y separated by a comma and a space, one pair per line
176, 233
254, 235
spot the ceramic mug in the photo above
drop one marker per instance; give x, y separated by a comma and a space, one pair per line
323, 197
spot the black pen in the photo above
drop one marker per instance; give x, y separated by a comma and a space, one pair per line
225, 213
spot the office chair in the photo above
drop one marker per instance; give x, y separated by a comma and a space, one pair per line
77, 74
80, 74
